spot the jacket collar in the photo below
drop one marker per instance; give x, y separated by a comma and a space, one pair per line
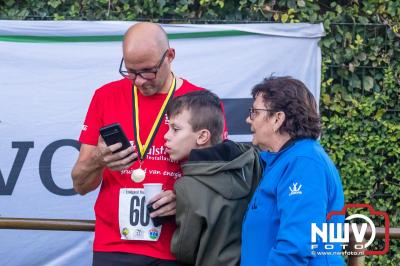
270, 157
225, 151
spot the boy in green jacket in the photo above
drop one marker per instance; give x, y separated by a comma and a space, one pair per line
218, 180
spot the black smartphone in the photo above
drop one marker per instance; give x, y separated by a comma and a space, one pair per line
159, 220
113, 134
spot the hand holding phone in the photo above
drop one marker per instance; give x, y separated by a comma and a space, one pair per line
113, 134
159, 220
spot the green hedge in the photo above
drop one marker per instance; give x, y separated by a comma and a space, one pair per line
360, 76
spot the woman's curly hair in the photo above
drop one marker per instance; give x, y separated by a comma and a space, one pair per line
292, 97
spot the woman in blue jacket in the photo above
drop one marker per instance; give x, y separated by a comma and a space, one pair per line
300, 184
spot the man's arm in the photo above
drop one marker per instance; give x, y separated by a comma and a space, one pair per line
86, 174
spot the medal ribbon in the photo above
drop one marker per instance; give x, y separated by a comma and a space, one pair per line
143, 149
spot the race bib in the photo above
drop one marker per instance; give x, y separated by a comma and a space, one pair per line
134, 219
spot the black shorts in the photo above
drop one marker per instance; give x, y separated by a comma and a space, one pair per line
128, 259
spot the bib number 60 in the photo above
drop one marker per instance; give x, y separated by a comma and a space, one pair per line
138, 212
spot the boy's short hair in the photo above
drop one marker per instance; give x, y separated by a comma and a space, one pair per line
205, 109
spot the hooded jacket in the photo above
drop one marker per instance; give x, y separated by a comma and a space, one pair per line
212, 198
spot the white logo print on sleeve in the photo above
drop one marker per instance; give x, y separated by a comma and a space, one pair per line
295, 190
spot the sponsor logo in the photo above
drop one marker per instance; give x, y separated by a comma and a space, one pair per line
153, 233
155, 151
125, 231
295, 190
139, 233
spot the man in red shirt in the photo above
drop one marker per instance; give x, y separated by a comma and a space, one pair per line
125, 234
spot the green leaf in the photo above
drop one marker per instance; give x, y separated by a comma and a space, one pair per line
368, 83
379, 114
326, 99
284, 18
54, 3
362, 56
363, 20
301, 3
161, 2
355, 82
359, 40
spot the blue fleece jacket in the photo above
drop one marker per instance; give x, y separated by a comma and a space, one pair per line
300, 186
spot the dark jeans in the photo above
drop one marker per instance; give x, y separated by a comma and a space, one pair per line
128, 259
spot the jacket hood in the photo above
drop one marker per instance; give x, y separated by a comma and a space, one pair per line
227, 168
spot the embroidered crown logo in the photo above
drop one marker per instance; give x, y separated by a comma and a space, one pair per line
295, 190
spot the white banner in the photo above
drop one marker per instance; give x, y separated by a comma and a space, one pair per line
48, 73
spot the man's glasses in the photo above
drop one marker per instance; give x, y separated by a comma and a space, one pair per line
253, 112
148, 74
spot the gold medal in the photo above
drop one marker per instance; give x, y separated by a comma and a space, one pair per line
138, 175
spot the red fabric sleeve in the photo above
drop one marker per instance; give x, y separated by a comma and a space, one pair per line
93, 121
